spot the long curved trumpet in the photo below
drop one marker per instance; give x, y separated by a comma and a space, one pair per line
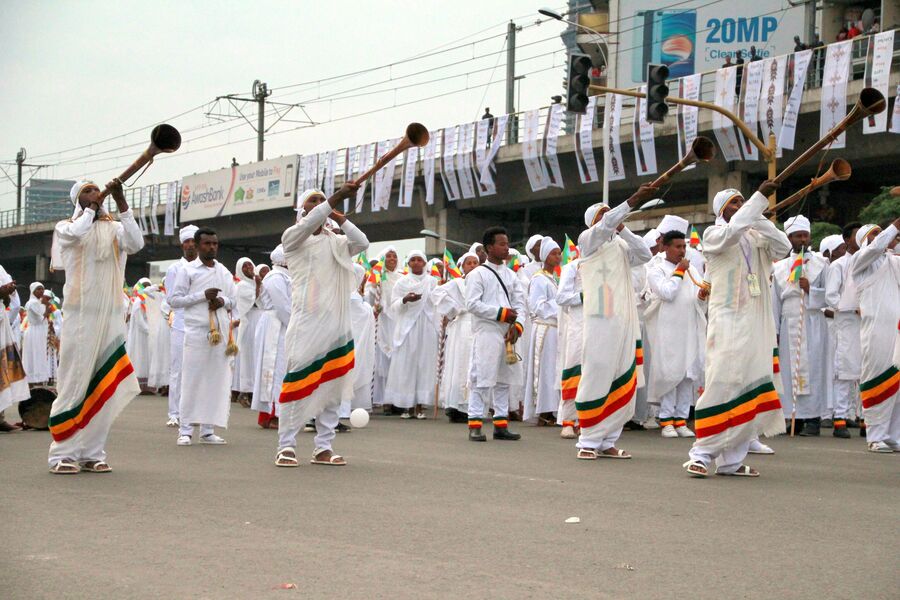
163, 139
702, 150
416, 136
838, 171
870, 102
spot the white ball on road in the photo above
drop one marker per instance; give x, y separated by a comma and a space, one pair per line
359, 418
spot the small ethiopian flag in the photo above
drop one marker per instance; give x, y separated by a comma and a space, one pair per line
515, 263
797, 268
450, 266
570, 251
377, 270
695, 237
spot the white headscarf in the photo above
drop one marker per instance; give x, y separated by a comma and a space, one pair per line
796, 224
721, 200
531, 243
474, 247
76, 190
863, 232
239, 269
145, 280
591, 213
48, 294
462, 259
35, 286
277, 256
672, 223
258, 269
830, 243
304, 197
187, 233
547, 246
418, 253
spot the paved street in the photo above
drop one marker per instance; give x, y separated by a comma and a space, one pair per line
422, 513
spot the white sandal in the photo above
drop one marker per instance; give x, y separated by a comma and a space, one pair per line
880, 448
96, 466
619, 454
65, 467
742, 471
336, 460
586, 454
693, 467
283, 459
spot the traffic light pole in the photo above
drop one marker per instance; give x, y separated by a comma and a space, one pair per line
767, 151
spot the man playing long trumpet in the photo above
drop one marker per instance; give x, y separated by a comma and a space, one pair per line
740, 400
876, 271
609, 371
95, 380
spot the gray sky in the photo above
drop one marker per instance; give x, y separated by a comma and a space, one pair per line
78, 72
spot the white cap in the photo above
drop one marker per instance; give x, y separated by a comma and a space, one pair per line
187, 233
796, 224
530, 244
591, 213
722, 198
672, 223
547, 246
830, 243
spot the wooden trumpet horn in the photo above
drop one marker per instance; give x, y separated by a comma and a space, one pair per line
416, 136
163, 139
702, 150
838, 171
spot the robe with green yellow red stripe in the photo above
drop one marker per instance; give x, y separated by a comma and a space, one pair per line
101, 388
621, 392
743, 409
570, 379
301, 384
878, 389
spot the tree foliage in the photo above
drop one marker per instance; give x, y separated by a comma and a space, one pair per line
883, 207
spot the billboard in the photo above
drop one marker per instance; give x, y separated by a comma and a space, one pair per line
697, 35
240, 189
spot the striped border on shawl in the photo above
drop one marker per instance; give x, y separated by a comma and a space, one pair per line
301, 384
639, 352
570, 380
620, 394
101, 388
878, 389
743, 409
776, 362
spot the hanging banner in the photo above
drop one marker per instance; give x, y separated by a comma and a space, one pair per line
144, 197
499, 134
895, 115
686, 116
551, 137
642, 129
407, 183
584, 143
481, 153
612, 149
878, 75
171, 205
384, 178
351, 156
792, 111
380, 149
531, 151
448, 173
463, 159
749, 106
365, 163
834, 89
330, 166
428, 168
771, 98
154, 202
722, 126
322, 158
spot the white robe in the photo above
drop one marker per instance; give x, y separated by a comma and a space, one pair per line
274, 304
412, 376
34, 343
160, 339
841, 296
675, 322
807, 381
248, 314
541, 375
362, 318
379, 295
450, 303
571, 330
13, 383
206, 370
138, 341
877, 275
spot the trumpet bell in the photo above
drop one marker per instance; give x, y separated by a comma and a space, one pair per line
871, 101
166, 138
841, 170
417, 134
703, 148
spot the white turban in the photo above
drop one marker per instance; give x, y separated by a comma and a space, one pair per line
591, 213
830, 243
474, 247
415, 253
277, 255
187, 233
863, 232
305, 196
463, 258
385, 251
35, 286
672, 223
796, 224
723, 198
651, 238
76, 189
547, 246
530, 244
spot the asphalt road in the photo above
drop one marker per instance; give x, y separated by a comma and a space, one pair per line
421, 513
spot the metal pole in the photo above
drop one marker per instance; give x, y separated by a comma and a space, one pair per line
811, 22
261, 122
20, 160
513, 135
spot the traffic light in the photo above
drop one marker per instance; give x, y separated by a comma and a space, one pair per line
657, 90
578, 81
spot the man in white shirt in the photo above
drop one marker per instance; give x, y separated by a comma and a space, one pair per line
176, 340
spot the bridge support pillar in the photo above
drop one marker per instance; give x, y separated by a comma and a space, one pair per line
721, 177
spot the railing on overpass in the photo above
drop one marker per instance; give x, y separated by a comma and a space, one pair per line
12, 217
